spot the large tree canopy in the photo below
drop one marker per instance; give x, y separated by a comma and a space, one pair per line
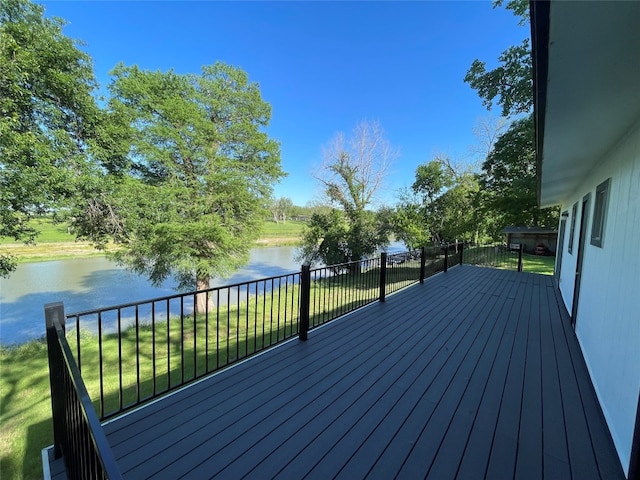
48, 117
509, 194
188, 192
511, 83
352, 173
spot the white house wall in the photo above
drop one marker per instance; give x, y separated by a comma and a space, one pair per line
608, 317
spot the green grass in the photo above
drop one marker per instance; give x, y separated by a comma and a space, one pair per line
25, 410
538, 264
54, 243
289, 233
49, 232
501, 258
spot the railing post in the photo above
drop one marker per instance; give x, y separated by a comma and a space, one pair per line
423, 262
305, 297
383, 275
520, 257
446, 257
55, 311
461, 251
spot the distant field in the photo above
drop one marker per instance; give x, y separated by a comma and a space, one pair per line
50, 232
289, 229
288, 233
54, 242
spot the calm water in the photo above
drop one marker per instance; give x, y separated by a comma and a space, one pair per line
89, 283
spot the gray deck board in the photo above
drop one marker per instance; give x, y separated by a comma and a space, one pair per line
475, 374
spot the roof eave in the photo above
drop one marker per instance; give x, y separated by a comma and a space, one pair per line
539, 12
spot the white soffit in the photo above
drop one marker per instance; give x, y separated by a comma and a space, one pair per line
593, 89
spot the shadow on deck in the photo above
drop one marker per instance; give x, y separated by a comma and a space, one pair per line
475, 374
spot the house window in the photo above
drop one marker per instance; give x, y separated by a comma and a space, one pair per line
574, 214
600, 213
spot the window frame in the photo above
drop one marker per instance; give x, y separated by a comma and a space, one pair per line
600, 208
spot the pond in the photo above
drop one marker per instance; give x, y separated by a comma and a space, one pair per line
94, 282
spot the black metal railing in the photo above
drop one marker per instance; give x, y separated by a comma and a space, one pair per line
128, 354
135, 352
336, 290
78, 435
495, 255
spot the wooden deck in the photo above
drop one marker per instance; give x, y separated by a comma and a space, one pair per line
475, 374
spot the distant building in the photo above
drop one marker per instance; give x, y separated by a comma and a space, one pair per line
532, 237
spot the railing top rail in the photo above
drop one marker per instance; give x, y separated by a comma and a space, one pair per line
344, 264
102, 447
239, 284
368, 259
222, 287
177, 295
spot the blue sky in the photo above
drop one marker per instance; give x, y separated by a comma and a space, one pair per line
323, 66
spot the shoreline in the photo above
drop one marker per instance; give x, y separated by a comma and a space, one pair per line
50, 251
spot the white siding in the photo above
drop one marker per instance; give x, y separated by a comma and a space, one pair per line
608, 320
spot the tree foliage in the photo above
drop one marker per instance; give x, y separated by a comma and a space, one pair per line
188, 190
334, 237
281, 208
509, 178
48, 118
510, 84
352, 173
509, 188
441, 206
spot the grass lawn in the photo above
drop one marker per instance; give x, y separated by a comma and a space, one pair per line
25, 410
50, 232
538, 264
52, 243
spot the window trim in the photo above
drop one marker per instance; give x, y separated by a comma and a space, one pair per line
572, 232
600, 208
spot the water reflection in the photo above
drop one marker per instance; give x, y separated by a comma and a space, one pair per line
90, 283
94, 282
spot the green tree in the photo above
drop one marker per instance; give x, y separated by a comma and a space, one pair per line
509, 192
509, 178
191, 197
352, 173
440, 207
510, 84
410, 225
48, 118
281, 208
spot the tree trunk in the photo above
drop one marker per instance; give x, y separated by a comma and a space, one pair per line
204, 300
